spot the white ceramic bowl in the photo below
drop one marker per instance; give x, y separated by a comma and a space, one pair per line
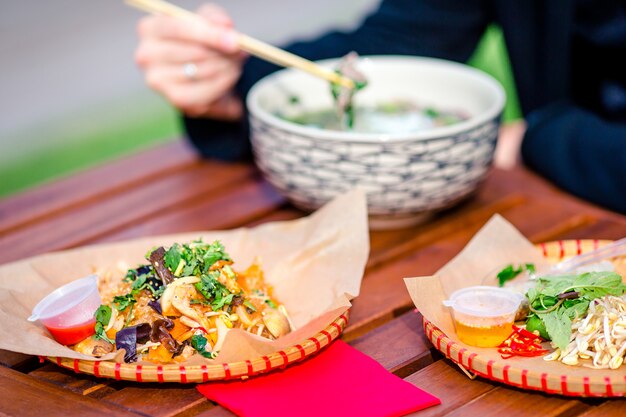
407, 177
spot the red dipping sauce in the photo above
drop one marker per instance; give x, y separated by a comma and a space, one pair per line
74, 334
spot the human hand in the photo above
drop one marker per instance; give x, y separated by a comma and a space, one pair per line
194, 63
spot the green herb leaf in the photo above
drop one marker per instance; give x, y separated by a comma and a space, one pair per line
559, 327
430, 112
509, 272
271, 303
214, 291
221, 300
139, 284
195, 258
575, 308
558, 321
102, 316
249, 305
199, 343
122, 302
535, 323
173, 257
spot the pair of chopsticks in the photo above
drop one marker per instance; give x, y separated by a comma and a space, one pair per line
251, 45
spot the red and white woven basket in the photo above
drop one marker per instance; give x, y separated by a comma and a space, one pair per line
205, 373
609, 383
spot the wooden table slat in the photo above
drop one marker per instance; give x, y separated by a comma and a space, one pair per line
159, 400
438, 378
49, 199
26, 396
18, 361
611, 408
514, 402
84, 224
221, 212
80, 384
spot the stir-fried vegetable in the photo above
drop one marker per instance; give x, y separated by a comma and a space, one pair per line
183, 302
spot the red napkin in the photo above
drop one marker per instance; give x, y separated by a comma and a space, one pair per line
340, 381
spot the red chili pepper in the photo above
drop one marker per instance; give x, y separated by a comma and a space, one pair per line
525, 332
521, 342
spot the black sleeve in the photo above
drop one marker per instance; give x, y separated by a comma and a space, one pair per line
579, 152
448, 29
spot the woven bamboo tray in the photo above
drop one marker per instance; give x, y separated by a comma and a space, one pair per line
612, 383
213, 372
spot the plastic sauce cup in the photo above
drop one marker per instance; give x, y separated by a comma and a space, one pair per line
68, 311
483, 316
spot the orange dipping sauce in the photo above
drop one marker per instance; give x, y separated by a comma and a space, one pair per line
483, 336
74, 334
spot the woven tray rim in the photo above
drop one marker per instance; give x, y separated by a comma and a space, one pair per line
213, 372
503, 371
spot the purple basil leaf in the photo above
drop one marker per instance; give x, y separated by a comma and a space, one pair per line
156, 306
127, 339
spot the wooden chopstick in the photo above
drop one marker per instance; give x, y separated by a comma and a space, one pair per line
249, 44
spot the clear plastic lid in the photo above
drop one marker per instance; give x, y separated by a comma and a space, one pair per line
484, 301
75, 300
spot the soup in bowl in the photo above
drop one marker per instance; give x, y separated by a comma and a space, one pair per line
410, 164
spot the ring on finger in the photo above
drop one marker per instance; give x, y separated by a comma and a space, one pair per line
190, 70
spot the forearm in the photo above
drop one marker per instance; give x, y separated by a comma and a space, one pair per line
579, 152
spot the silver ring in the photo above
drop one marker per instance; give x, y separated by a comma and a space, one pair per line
190, 70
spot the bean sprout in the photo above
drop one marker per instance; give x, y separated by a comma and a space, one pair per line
599, 336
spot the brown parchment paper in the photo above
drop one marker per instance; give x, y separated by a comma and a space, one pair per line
497, 244
315, 265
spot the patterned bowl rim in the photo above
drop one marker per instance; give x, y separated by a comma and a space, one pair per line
211, 372
473, 75
611, 384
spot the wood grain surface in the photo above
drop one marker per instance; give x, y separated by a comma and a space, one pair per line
168, 189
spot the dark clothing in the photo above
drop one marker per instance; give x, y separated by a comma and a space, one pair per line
564, 55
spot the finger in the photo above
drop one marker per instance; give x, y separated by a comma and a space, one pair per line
228, 108
196, 30
187, 96
158, 76
215, 14
152, 51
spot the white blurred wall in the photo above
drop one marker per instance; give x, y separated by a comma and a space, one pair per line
64, 60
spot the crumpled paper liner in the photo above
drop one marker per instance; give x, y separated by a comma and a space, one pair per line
315, 265
497, 244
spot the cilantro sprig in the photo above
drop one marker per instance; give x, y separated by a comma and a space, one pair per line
214, 291
195, 258
509, 272
103, 317
122, 302
199, 343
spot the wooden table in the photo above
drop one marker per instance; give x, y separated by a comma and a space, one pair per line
169, 189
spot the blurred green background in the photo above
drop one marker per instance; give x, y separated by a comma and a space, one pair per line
98, 133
